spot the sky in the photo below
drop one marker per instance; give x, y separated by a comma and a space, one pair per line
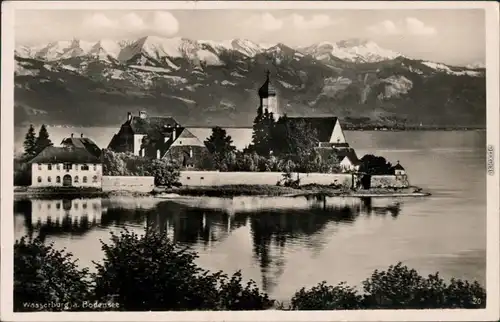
452, 36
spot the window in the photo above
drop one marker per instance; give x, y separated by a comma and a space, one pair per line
94, 179
188, 178
39, 179
49, 179
95, 167
48, 206
67, 166
84, 179
84, 205
76, 179
85, 167
58, 205
58, 179
76, 205
202, 178
58, 166
180, 142
39, 167
49, 167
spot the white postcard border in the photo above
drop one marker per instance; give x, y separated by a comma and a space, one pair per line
492, 310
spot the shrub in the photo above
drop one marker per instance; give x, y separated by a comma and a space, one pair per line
401, 287
150, 272
397, 288
327, 297
164, 172
45, 275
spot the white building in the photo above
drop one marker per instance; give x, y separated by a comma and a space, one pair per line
349, 160
399, 170
76, 164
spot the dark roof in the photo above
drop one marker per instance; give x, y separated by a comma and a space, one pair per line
398, 167
267, 88
151, 125
350, 154
54, 154
185, 133
323, 125
84, 143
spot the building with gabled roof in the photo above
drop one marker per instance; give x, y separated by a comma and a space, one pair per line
82, 142
159, 138
188, 151
398, 169
75, 164
349, 161
132, 132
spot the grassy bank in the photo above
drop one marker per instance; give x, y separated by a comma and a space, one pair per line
411, 191
230, 190
270, 190
29, 192
221, 191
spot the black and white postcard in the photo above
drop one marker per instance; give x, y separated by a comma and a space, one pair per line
250, 160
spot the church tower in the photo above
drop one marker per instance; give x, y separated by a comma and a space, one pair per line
268, 98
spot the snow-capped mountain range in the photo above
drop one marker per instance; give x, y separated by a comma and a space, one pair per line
86, 82
353, 50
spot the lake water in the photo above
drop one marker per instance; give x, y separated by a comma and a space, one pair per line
287, 243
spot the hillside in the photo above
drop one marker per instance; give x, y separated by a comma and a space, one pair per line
215, 83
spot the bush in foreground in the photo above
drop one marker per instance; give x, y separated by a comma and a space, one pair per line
43, 274
397, 288
150, 272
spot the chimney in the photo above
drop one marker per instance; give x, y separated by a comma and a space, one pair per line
143, 114
81, 135
129, 116
174, 134
71, 135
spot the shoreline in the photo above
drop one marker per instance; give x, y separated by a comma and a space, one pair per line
227, 191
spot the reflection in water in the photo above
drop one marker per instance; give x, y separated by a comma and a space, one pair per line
209, 220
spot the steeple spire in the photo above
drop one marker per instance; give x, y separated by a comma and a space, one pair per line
267, 89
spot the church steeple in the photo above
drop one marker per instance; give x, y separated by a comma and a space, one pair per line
268, 97
267, 89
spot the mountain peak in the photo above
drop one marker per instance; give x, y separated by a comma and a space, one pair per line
355, 50
354, 42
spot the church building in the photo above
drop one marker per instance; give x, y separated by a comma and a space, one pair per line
328, 128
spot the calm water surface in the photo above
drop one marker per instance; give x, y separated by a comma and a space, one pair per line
286, 243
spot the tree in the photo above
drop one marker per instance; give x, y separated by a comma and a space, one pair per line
150, 272
30, 143
22, 172
294, 139
375, 165
44, 275
220, 145
113, 163
43, 140
263, 128
165, 173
